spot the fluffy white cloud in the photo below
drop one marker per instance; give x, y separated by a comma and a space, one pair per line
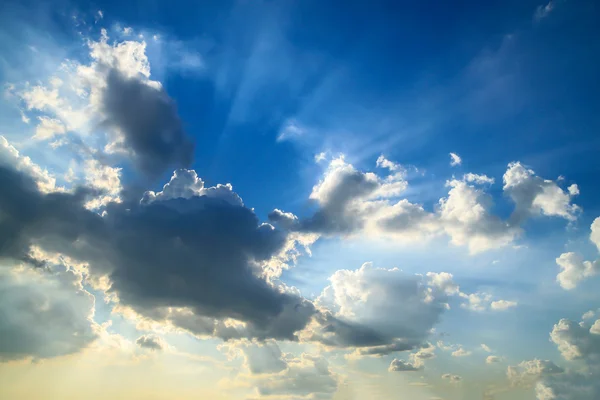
574, 268
185, 184
502, 305
461, 352
483, 302
536, 196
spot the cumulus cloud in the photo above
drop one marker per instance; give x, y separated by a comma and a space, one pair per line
48, 128
353, 202
461, 352
167, 254
378, 311
528, 373
534, 196
399, 365
574, 268
455, 160
185, 184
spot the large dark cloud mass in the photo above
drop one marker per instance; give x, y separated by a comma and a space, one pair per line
147, 119
201, 253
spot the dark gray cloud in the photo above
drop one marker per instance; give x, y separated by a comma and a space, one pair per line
150, 342
200, 253
147, 119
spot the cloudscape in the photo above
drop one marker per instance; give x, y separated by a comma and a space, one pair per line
300, 200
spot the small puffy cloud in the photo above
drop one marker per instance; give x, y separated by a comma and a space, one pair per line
574, 268
151, 342
461, 352
185, 184
502, 305
493, 359
486, 348
483, 302
455, 160
398, 366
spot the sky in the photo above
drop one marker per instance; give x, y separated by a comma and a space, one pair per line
300, 200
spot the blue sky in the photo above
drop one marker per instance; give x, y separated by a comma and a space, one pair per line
454, 141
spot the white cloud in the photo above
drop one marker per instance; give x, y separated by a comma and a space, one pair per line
185, 183
536, 196
574, 268
398, 366
455, 160
461, 352
486, 348
502, 305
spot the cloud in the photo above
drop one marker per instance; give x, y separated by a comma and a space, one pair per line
486, 348
185, 184
461, 352
528, 373
502, 305
173, 253
483, 302
543, 11
577, 341
399, 365
11, 158
574, 268
455, 160
533, 195
48, 128
45, 313
493, 359
275, 375
147, 120
151, 342
378, 311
